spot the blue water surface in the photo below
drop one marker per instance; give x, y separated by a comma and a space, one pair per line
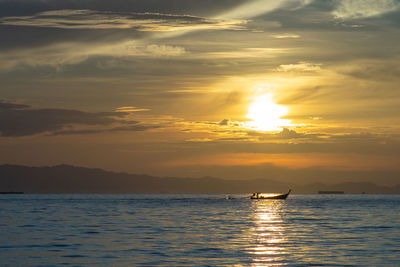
199, 230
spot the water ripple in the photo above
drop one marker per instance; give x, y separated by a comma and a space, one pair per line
199, 230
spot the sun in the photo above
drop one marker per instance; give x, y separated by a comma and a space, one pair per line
266, 115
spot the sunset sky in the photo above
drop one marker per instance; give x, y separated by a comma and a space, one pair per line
291, 90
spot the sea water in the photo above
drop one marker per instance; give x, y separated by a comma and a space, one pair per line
199, 230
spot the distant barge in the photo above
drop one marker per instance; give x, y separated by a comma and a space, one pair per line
10, 193
330, 192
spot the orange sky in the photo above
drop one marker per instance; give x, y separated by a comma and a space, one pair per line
225, 88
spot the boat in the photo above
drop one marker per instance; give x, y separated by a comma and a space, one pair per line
270, 196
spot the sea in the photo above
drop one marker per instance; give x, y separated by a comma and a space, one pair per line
199, 230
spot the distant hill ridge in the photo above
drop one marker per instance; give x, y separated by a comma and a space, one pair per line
72, 179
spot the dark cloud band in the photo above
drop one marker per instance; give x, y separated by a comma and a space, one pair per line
21, 120
91, 19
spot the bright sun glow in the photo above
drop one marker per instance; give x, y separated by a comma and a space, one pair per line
266, 115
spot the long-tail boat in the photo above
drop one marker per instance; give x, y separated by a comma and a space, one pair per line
270, 196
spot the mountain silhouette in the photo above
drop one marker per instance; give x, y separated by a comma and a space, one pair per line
71, 179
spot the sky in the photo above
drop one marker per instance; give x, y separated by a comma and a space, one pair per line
290, 90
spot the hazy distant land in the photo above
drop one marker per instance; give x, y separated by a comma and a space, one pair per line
70, 179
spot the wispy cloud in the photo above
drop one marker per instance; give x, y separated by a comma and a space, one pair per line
252, 52
91, 19
354, 9
131, 109
286, 36
302, 66
387, 71
256, 8
69, 53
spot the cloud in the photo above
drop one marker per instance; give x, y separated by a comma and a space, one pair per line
230, 123
355, 9
252, 52
164, 50
131, 109
70, 53
131, 128
289, 134
91, 19
285, 135
7, 106
387, 71
22, 120
286, 36
302, 66
224, 122
259, 7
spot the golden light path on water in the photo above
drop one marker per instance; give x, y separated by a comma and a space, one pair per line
266, 115
267, 235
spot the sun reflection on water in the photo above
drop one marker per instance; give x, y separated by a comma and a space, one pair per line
267, 235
